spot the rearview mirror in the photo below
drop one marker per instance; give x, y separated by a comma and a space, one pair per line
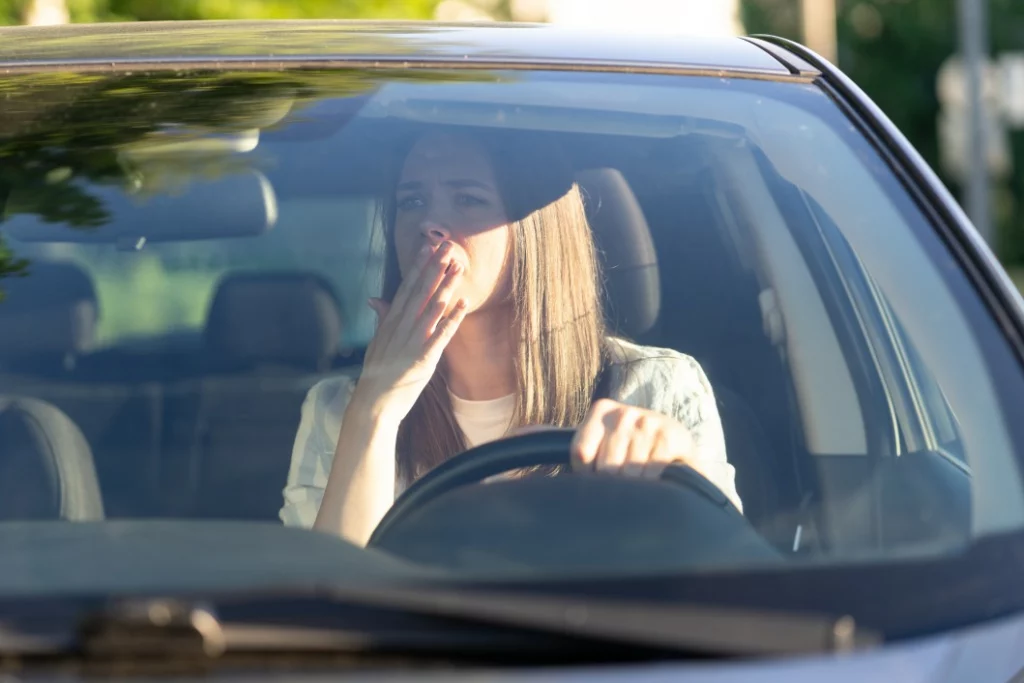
238, 205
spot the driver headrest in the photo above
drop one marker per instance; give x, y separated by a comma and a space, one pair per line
628, 258
290, 319
51, 311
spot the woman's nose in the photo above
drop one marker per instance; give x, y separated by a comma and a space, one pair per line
435, 232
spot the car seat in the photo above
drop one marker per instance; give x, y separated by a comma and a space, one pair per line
47, 319
48, 324
269, 337
46, 467
633, 287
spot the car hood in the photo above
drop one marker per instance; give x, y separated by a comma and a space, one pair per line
992, 652
97, 558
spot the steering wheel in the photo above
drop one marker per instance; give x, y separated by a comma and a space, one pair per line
549, 447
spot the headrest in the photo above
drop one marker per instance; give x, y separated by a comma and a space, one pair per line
235, 205
52, 310
275, 319
628, 258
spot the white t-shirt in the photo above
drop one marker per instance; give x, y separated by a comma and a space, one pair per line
483, 421
658, 379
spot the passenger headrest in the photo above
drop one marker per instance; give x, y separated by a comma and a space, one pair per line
50, 311
288, 319
628, 258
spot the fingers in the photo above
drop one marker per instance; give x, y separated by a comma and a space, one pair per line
639, 451
429, 284
621, 439
445, 329
618, 436
439, 303
438, 272
590, 436
409, 281
380, 307
432, 275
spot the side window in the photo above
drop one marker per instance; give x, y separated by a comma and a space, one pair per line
920, 406
935, 409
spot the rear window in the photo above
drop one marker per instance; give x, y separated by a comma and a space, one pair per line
165, 289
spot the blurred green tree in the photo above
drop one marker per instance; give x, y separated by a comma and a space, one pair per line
893, 49
11, 11
145, 10
15, 11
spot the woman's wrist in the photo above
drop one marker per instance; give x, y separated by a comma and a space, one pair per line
372, 411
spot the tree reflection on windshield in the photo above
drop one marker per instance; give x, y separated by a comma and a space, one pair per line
138, 131
10, 265
64, 133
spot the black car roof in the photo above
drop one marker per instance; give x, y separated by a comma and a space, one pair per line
224, 42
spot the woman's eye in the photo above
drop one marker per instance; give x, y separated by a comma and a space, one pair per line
470, 200
410, 203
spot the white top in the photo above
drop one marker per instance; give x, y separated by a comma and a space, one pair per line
483, 421
644, 376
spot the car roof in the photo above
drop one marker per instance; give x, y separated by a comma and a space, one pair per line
262, 42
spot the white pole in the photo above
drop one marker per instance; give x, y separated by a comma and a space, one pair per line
973, 17
819, 27
45, 12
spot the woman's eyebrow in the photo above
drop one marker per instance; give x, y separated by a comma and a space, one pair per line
468, 182
410, 185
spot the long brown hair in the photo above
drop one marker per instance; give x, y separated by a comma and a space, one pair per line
555, 291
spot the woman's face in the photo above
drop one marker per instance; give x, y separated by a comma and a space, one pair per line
447, 191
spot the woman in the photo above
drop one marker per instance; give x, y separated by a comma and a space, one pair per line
490, 322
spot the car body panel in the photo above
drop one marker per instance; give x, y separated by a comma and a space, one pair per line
376, 41
991, 652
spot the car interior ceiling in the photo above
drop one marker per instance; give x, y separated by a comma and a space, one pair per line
208, 432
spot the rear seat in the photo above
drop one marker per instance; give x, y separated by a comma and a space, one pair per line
47, 331
269, 338
46, 467
48, 320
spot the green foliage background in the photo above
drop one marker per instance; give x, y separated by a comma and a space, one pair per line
893, 49
11, 11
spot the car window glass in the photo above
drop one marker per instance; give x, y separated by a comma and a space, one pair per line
746, 224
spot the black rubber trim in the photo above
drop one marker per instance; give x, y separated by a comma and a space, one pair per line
685, 475
370, 62
796, 65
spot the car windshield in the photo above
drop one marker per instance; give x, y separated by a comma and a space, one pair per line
194, 264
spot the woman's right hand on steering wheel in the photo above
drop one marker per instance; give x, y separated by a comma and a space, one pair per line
412, 333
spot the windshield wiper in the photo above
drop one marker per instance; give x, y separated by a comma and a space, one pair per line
443, 622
